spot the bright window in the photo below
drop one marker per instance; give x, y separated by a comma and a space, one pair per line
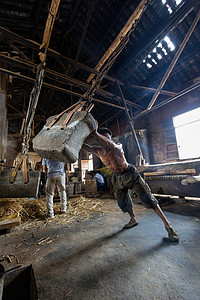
158, 51
176, 2
187, 129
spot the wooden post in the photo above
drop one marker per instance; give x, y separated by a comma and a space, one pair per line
3, 118
22, 127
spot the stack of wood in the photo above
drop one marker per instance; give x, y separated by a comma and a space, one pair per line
90, 187
178, 178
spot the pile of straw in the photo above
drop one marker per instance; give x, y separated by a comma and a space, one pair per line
9, 207
78, 209
34, 209
81, 209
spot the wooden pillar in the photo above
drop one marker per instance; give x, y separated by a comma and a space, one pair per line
3, 116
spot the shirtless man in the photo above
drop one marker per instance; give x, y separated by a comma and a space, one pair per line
125, 177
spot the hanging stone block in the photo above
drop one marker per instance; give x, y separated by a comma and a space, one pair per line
64, 143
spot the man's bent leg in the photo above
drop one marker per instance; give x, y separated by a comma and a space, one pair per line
125, 203
144, 193
173, 236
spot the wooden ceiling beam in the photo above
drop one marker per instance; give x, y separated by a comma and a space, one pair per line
21, 116
180, 94
49, 27
36, 46
64, 78
17, 50
5, 71
15, 109
16, 20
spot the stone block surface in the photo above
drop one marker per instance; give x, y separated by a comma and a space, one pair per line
64, 144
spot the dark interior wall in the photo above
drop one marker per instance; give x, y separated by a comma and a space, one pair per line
125, 137
153, 144
159, 122
13, 149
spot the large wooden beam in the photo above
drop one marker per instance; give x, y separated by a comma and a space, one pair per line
36, 46
182, 93
22, 77
127, 27
171, 168
64, 78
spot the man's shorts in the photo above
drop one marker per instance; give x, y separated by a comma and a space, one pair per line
131, 179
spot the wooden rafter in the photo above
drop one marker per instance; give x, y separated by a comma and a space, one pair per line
65, 79
5, 71
36, 46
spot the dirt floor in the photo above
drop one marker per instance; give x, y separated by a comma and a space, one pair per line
93, 258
